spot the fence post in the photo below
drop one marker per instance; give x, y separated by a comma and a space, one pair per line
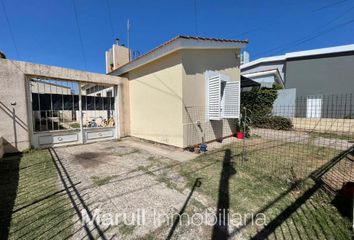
244, 135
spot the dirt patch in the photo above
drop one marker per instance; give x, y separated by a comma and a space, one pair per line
89, 159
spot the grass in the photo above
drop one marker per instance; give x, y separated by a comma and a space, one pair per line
32, 204
126, 153
126, 229
101, 181
265, 177
74, 125
333, 135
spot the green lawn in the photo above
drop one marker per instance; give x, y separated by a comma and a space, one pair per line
32, 203
263, 183
332, 135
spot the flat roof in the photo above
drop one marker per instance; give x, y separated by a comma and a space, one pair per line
177, 43
307, 53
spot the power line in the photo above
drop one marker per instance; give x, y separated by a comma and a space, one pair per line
10, 29
80, 36
297, 43
329, 5
309, 36
110, 18
12, 38
326, 31
262, 27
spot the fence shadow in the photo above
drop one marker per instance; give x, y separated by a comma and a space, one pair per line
287, 213
76, 198
220, 229
197, 183
9, 179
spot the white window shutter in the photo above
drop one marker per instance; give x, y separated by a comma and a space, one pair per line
213, 95
231, 103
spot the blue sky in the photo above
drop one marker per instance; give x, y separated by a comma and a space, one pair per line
45, 31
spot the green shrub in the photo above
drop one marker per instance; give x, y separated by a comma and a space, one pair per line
259, 102
274, 122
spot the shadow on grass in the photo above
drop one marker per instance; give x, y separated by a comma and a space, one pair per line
300, 202
9, 178
220, 229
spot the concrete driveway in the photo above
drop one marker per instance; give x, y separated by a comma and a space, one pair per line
129, 186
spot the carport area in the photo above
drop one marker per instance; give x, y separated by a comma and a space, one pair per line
130, 186
45, 106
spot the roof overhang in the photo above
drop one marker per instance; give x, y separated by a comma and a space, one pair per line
247, 82
176, 44
274, 72
263, 60
321, 51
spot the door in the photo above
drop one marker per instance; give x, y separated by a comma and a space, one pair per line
314, 107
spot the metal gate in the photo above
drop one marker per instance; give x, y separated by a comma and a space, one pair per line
70, 112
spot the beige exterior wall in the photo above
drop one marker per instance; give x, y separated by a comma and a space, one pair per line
167, 97
156, 101
195, 63
14, 127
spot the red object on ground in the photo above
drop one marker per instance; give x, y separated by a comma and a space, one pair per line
240, 135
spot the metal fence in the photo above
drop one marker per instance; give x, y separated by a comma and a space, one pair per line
322, 134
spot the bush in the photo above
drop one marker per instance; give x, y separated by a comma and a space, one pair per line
259, 102
274, 122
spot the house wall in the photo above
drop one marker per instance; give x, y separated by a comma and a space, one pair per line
195, 63
326, 75
156, 101
14, 126
284, 104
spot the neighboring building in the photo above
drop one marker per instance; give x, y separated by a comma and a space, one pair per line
318, 71
176, 94
312, 75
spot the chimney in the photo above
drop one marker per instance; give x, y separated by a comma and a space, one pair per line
245, 57
116, 57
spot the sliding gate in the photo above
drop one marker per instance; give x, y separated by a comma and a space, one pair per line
69, 112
